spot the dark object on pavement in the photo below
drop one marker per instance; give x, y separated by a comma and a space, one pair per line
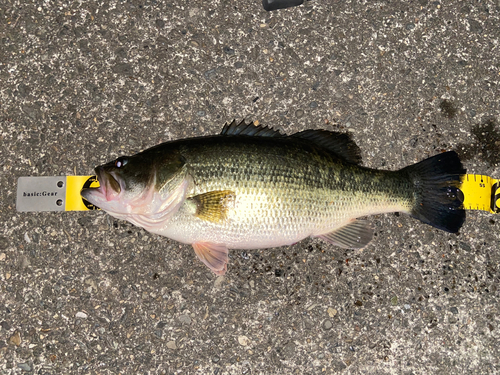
280, 4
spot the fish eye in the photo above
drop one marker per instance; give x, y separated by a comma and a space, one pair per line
120, 162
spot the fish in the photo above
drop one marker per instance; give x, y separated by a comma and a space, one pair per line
253, 187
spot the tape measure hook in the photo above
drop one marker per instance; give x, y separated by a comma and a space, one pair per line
86, 185
495, 198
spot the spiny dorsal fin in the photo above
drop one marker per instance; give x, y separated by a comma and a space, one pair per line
340, 144
213, 206
249, 129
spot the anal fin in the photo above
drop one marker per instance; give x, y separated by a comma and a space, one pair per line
213, 255
354, 235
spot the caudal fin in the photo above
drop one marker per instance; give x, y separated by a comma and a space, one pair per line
438, 198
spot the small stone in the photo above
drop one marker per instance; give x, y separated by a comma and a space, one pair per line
228, 50
81, 315
15, 339
331, 312
218, 282
454, 310
92, 283
308, 324
327, 325
123, 68
244, 341
475, 26
160, 23
289, 349
171, 345
185, 319
31, 110
210, 74
299, 113
161, 325
311, 307
24, 262
464, 246
2, 257
391, 86
4, 243
158, 333
394, 301
24, 366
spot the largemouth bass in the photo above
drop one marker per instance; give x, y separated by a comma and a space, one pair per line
252, 187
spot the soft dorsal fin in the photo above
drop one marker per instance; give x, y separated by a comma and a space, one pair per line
249, 129
340, 144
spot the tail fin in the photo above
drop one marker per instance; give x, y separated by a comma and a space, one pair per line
438, 199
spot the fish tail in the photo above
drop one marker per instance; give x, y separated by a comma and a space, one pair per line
438, 199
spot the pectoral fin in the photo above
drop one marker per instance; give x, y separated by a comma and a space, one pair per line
213, 206
355, 235
213, 255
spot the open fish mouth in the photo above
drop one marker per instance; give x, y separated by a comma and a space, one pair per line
109, 181
110, 187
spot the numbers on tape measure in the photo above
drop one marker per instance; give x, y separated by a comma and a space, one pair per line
480, 193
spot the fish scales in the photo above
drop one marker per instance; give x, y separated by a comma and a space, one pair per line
252, 187
284, 191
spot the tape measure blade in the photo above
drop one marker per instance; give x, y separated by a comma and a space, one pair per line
75, 184
478, 193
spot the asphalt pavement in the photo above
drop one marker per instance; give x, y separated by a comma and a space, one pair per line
82, 82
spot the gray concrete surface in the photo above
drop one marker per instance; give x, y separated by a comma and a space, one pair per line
83, 82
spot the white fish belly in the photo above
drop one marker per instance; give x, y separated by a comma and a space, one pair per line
255, 220
262, 218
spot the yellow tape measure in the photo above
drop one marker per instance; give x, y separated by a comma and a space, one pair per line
54, 193
62, 193
481, 193
74, 185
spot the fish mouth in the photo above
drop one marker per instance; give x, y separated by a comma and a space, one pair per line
109, 189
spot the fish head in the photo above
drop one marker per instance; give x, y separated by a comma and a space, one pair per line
139, 185
122, 183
